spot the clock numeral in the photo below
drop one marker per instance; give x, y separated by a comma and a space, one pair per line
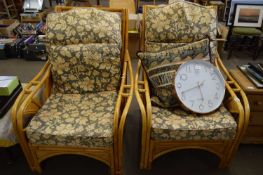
216, 96
210, 103
192, 102
188, 69
178, 85
183, 77
201, 107
197, 68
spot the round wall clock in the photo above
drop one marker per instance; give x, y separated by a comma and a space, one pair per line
200, 86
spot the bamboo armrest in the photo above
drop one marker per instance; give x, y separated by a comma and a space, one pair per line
123, 101
237, 101
142, 93
26, 104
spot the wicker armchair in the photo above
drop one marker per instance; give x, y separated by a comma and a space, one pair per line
83, 90
165, 130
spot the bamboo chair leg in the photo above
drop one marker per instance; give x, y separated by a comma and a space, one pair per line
37, 168
223, 162
150, 158
230, 156
112, 165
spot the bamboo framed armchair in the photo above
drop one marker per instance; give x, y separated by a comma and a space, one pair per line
165, 130
78, 102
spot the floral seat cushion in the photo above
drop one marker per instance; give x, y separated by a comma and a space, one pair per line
75, 120
178, 124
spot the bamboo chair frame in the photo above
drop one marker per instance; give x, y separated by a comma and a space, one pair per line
235, 101
27, 104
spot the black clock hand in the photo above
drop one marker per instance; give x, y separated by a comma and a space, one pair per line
189, 89
199, 87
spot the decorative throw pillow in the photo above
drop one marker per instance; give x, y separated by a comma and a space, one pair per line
180, 22
161, 69
84, 26
157, 47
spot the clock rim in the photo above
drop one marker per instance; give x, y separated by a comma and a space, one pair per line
220, 75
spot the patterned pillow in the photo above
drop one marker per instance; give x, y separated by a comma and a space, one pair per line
84, 26
83, 68
180, 22
161, 69
157, 47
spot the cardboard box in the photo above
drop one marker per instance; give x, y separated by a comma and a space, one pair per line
7, 26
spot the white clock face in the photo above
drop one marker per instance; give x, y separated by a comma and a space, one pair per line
199, 86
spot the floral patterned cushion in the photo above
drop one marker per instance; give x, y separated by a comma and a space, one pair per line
177, 124
161, 69
85, 50
75, 120
158, 47
84, 68
180, 22
85, 26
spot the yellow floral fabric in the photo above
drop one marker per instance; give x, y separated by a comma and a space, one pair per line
84, 120
177, 124
161, 69
179, 22
85, 68
84, 26
84, 50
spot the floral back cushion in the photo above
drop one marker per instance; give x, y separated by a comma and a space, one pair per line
179, 22
81, 68
85, 50
161, 69
84, 26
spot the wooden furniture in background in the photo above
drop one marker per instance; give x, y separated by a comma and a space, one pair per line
128, 4
254, 132
8, 8
243, 38
87, 2
33, 18
19, 5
